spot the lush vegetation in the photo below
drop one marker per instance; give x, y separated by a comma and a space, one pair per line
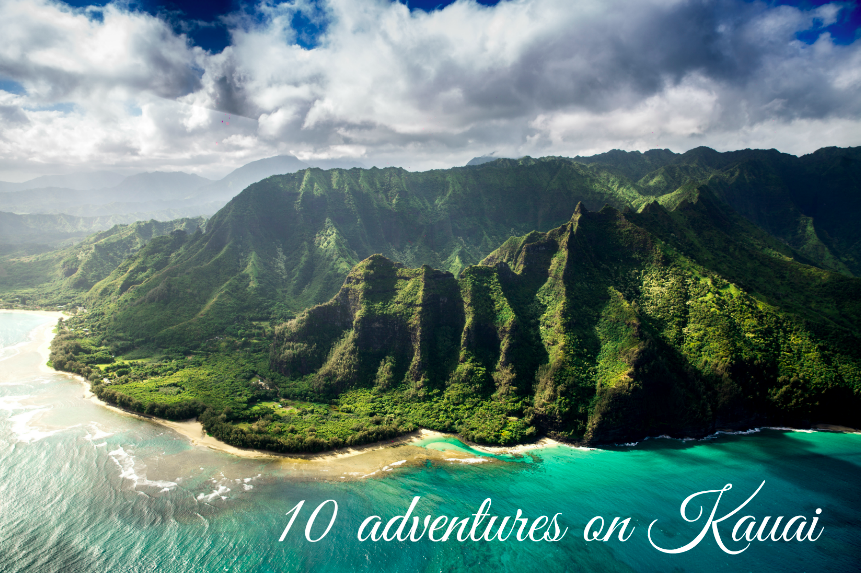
677, 309
228, 385
31, 276
809, 202
598, 330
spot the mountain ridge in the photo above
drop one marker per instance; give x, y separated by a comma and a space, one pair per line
471, 300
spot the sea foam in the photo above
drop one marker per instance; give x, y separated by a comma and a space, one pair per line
24, 431
128, 470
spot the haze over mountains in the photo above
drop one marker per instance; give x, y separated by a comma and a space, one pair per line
78, 181
104, 199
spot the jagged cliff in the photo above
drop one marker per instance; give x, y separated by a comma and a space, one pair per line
681, 308
598, 331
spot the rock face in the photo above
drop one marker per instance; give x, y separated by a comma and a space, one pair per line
387, 317
605, 329
286, 243
710, 290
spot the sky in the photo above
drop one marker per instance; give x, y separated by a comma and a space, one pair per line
205, 87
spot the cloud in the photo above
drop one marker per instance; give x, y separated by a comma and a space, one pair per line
423, 89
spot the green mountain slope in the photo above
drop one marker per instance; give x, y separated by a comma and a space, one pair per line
287, 243
809, 202
65, 275
597, 330
681, 308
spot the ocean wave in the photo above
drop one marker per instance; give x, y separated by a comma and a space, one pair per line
129, 470
24, 431
468, 460
12, 403
219, 491
717, 434
245, 482
12, 351
97, 433
393, 465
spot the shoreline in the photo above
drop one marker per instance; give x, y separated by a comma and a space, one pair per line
193, 430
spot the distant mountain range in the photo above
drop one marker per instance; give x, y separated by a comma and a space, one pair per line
79, 266
77, 181
157, 195
50, 229
143, 194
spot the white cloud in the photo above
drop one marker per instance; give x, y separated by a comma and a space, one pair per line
420, 89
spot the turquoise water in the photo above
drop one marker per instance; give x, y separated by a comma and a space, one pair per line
83, 488
14, 328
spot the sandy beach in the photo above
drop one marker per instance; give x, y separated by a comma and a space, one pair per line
42, 335
360, 461
352, 462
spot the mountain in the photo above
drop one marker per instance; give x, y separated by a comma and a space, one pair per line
157, 185
808, 202
48, 229
146, 191
658, 308
78, 181
287, 242
611, 327
237, 180
597, 331
481, 160
62, 276
159, 195
130, 211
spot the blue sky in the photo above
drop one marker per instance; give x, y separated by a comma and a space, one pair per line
208, 86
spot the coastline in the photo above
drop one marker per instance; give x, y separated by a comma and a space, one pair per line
376, 452
193, 430
42, 335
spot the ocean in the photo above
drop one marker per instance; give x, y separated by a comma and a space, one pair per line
84, 488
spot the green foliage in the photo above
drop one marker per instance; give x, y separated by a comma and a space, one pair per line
281, 329
62, 277
288, 242
596, 330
